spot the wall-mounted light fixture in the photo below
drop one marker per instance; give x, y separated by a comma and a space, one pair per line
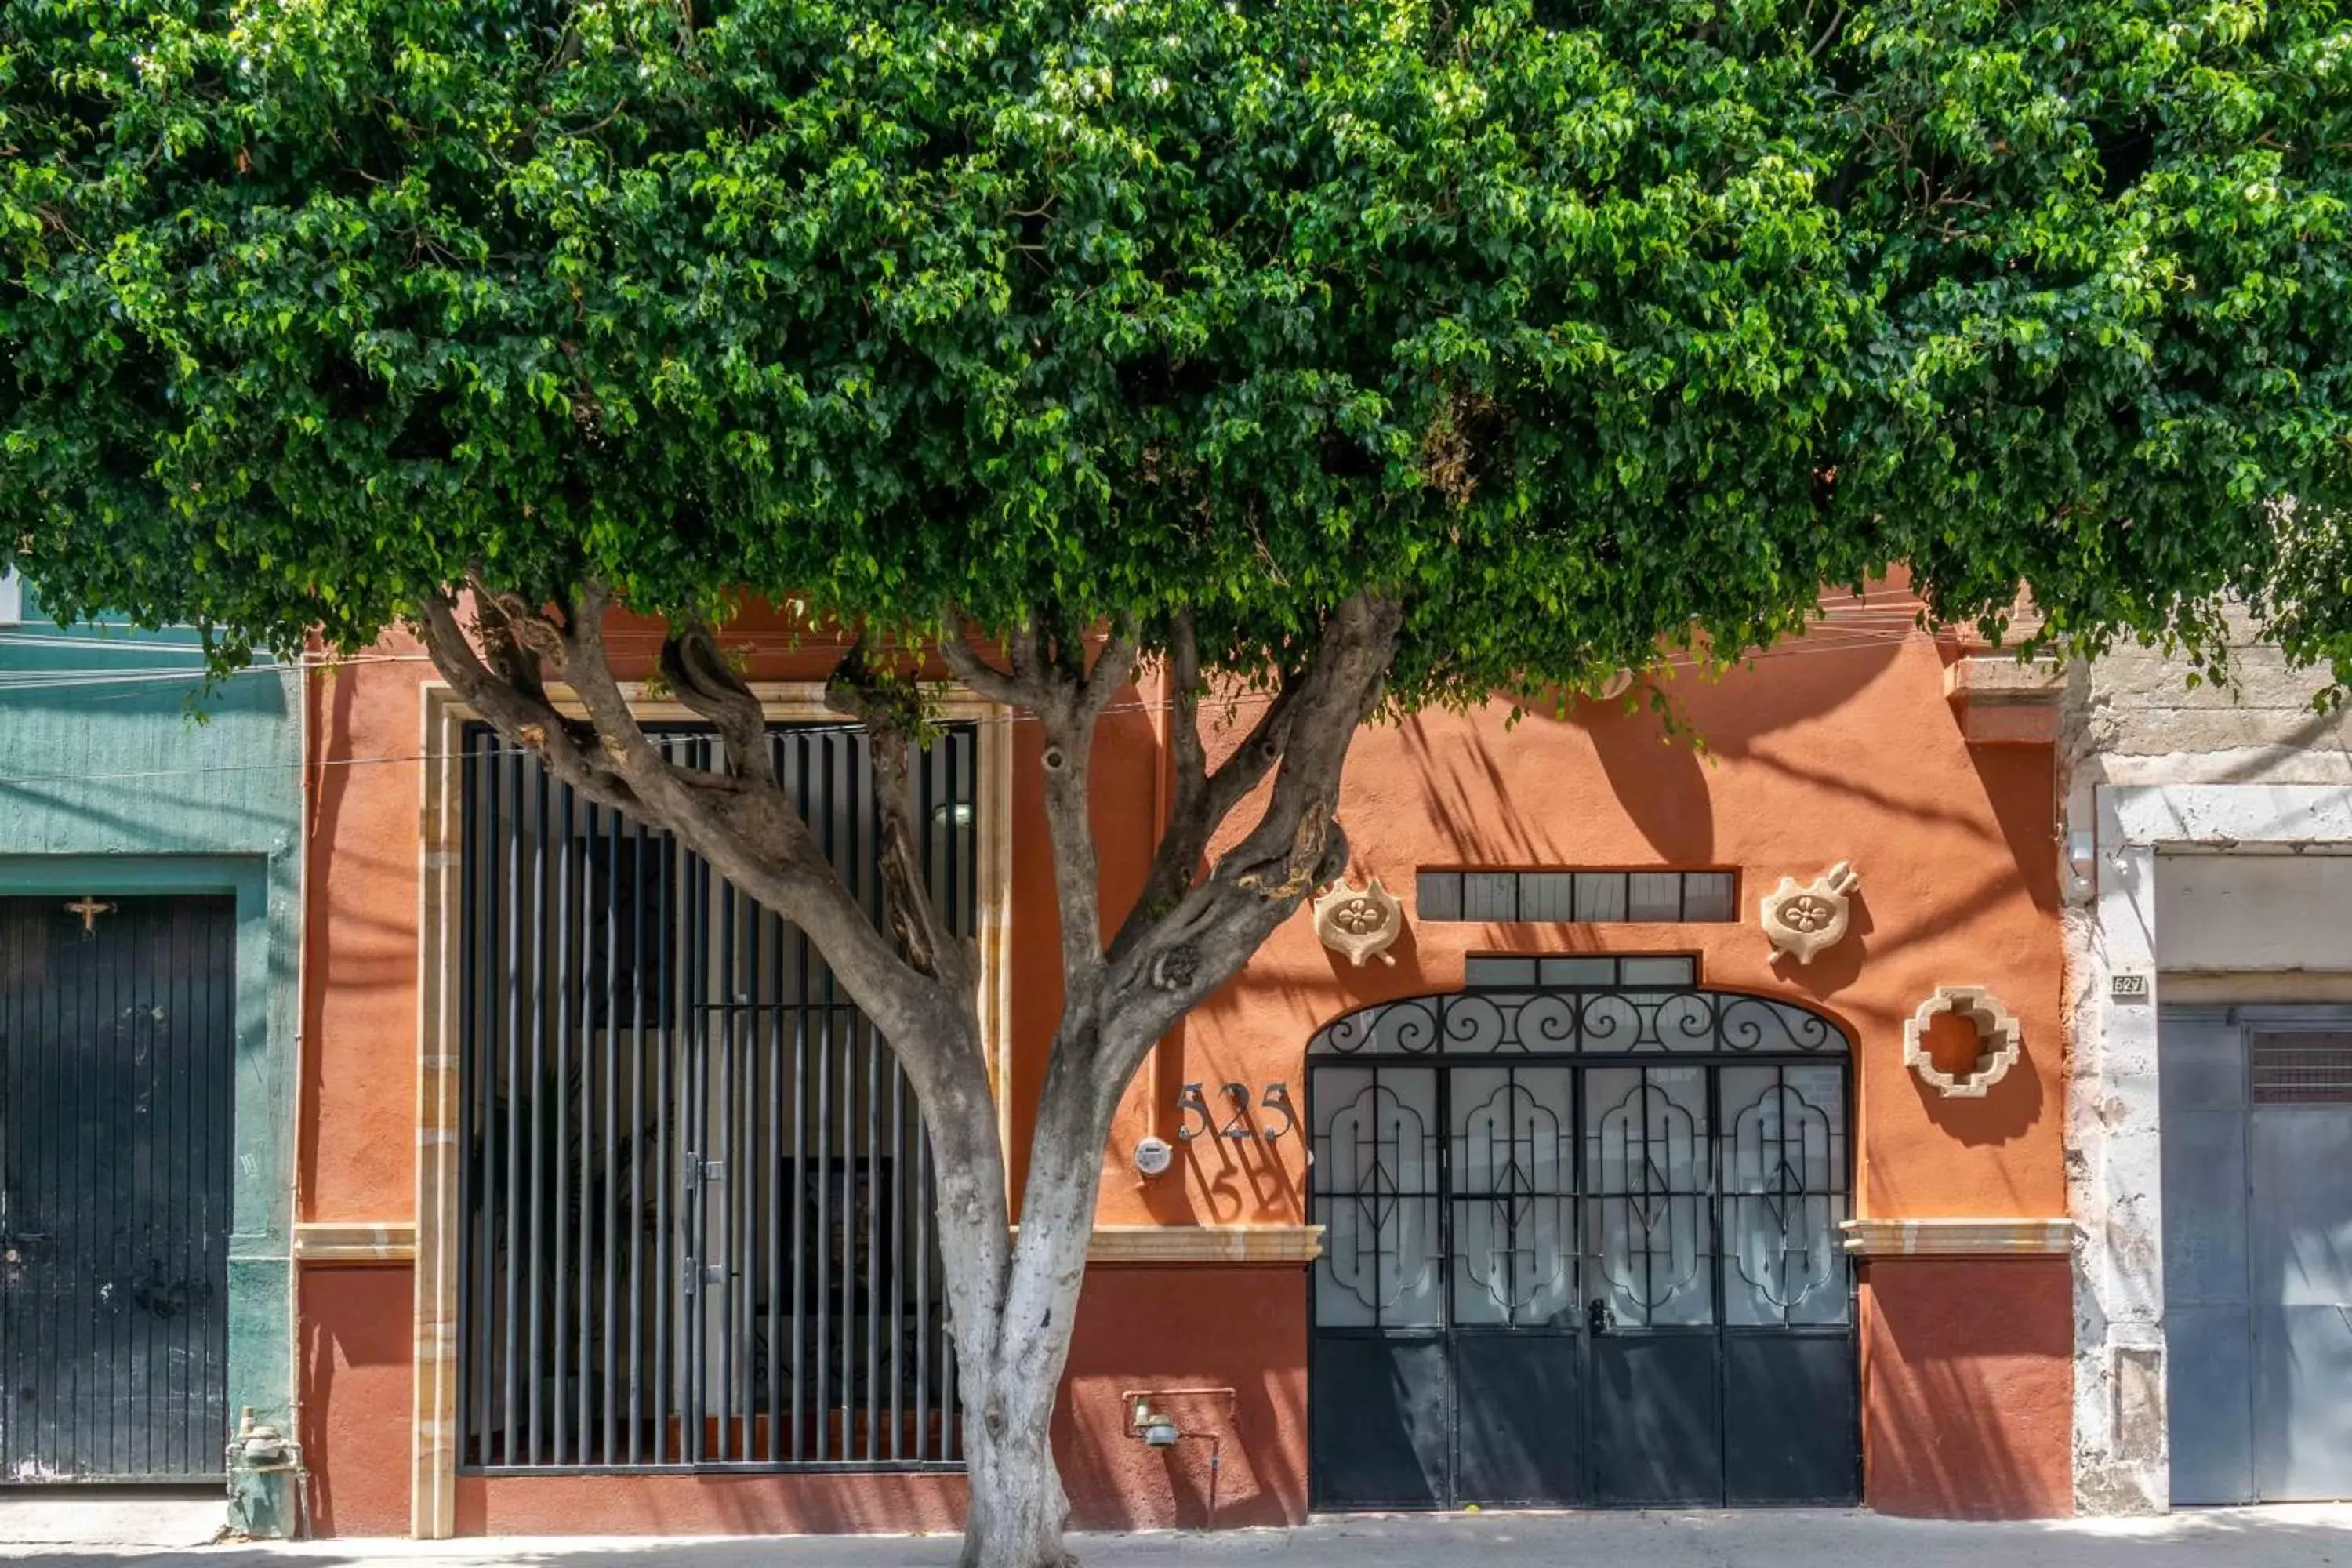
2081, 865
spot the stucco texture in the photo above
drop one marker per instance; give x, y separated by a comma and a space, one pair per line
1839, 751
125, 774
1837, 747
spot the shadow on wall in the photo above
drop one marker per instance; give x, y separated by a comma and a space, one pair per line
1222, 1351
1969, 1386
361, 961
356, 1391
1658, 777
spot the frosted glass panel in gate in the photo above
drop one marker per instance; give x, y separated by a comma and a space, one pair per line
1515, 1231
1782, 1169
1647, 1150
1376, 1196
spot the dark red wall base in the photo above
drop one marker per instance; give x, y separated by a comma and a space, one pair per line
1967, 1387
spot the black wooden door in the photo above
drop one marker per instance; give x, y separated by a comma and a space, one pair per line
117, 1060
1581, 1248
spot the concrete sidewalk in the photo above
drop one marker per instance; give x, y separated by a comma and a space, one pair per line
2267, 1538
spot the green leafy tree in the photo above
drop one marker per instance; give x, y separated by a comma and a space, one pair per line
1376, 353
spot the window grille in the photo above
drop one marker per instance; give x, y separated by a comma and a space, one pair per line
697, 1198
1620, 897
2302, 1067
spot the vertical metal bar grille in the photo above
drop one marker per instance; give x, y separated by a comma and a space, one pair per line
697, 1193
118, 1068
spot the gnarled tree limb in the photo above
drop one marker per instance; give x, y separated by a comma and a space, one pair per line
888, 706
1181, 955
1201, 799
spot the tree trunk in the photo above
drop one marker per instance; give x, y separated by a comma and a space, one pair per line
1013, 1354
1018, 1510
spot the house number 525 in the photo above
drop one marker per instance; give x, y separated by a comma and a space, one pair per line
1200, 1121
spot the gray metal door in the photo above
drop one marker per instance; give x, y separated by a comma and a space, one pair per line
2258, 1252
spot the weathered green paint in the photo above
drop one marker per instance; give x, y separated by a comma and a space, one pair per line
112, 784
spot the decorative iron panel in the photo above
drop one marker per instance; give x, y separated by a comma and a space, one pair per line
698, 1195
1568, 1233
1596, 1022
118, 1063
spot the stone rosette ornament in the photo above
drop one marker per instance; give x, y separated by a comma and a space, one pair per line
1801, 921
1999, 1041
1358, 922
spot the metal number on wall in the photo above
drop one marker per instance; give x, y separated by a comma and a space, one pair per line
1239, 1123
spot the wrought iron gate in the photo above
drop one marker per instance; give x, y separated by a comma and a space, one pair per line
1582, 1247
697, 1193
118, 1033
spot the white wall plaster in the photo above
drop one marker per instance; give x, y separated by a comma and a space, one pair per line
2115, 1143
2150, 763
2254, 913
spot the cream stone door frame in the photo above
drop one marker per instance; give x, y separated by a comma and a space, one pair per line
434, 1452
2114, 1133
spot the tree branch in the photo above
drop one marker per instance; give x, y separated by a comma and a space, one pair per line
756, 838
1114, 667
889, 707
1069, 708
962, 659
512, 698
1183, 953
1203, 800
698, 671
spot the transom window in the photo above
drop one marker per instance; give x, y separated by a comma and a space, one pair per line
1597, 897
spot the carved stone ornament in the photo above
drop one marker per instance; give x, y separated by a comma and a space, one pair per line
1999, 1041
1359, 922
1803, 920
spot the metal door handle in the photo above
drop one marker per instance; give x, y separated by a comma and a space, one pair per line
1599, 1318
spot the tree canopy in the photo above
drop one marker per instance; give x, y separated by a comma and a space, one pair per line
1574, 326
1370, 349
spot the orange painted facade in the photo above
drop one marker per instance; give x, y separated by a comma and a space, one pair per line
1838, 747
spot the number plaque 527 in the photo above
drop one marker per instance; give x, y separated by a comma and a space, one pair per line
1242, 1121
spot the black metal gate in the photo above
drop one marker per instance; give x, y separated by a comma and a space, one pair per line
697, 1193
117, 1029
1582, 1247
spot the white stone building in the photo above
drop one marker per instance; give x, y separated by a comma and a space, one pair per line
2208, 834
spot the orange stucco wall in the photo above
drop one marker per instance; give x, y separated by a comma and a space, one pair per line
1840, 750
1839, 746
356, 1152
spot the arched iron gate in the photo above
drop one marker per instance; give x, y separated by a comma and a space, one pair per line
1581, 1245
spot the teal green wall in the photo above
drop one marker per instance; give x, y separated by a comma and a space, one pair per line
110, 784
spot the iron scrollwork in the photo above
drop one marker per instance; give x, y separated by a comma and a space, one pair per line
1613, 1021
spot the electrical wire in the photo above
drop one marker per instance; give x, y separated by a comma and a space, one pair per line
1854, 639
